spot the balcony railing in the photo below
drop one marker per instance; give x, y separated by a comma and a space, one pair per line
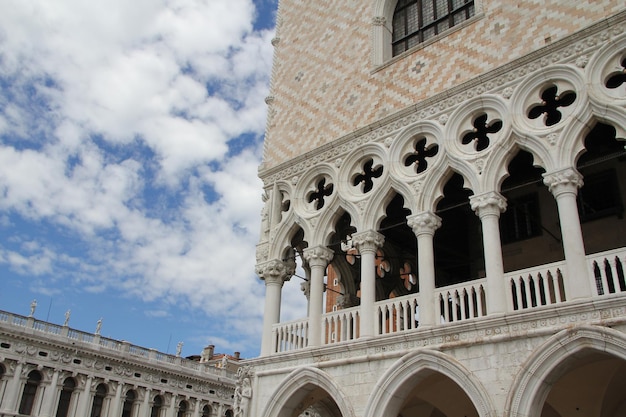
526, 289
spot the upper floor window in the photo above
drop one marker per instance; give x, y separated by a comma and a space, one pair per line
30, 393
416, 21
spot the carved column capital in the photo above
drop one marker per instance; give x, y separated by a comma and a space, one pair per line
276, 271
424, 223
489, 203
318, 256
567, 180
368, 241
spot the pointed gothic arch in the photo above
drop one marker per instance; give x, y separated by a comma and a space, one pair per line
291, 395
552, 360
395, 385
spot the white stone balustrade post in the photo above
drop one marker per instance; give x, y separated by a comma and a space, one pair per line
488, 206
274, 273
317, 258
564, 187
424, 226
367, 243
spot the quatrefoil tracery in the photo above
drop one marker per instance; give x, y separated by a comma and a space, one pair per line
366, 178
322, 190
617, 78
479, 135
550, 103
418, 157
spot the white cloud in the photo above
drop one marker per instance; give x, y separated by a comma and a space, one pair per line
117, 126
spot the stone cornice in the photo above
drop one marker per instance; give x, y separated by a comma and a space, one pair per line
502, 79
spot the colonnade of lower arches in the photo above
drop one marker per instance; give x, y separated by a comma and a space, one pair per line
30, 390
578, 371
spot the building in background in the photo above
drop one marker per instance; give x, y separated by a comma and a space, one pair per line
460, 167
47, 370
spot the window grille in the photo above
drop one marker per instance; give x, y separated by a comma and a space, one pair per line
416, 21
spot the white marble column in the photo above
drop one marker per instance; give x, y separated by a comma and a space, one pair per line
116, 409
196, 410
488, 206
171, 411
85, 398
424, 226
145, 405
9, 404
317, 258
367, 243
564, 186
274, 273
49, 405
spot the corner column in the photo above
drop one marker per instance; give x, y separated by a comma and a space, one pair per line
488, 207
274, 273
317, 258
424, 226
564, 187
367, 244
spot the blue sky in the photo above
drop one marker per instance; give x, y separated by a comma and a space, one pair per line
130, 136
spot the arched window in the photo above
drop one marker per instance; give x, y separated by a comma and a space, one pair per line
182, 409
206, 411
416, 21
156, 406
98, 401
66, 397
30, 392
127, 409
229, 413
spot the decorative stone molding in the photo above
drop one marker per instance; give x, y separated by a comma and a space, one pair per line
568, 180
276, 271
368, 241
424, 223
502, 81
490, 203
379, 21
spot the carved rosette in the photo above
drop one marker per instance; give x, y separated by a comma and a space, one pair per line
379, 20
368, 241
565, 181
318, 256
424, 223
276, 271
488, 204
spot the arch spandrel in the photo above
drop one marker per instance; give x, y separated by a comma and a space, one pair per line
395, 384
292, 390
547, 363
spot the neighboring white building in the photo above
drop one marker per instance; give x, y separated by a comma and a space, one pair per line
47, 370
461, 167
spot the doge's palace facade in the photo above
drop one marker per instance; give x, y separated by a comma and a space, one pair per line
460, 167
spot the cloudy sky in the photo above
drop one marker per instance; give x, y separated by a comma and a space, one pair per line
130, 136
